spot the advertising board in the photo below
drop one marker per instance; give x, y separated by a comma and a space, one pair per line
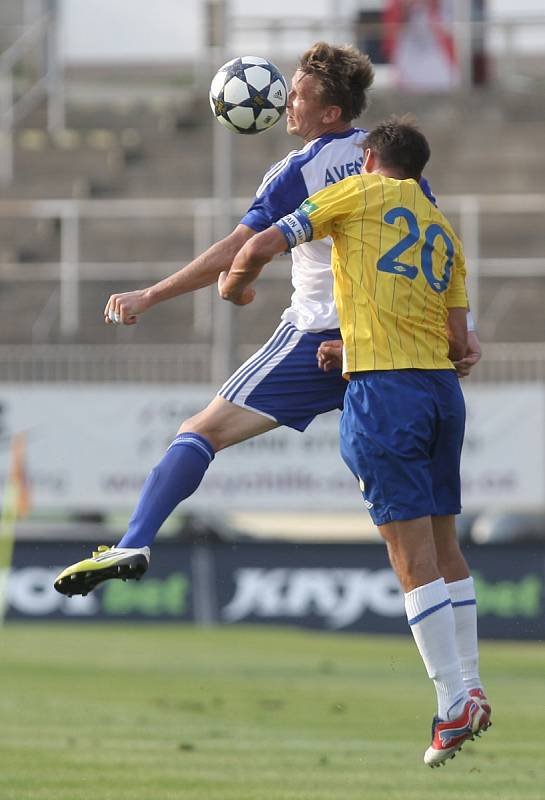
329, 587
91, 447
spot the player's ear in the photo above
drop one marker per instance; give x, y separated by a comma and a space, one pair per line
331, 115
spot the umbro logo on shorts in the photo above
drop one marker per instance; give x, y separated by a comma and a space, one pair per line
366, 503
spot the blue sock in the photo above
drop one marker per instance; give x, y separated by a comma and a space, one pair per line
175, 477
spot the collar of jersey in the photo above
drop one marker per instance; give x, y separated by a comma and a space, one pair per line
343, 135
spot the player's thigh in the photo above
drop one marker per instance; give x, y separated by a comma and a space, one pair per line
448, 443
387, 430
282, 380
223, 423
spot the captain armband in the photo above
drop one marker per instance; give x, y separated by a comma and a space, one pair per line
296, 228
470, 321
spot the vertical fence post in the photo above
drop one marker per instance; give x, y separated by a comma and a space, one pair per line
223, 338
55, 79
69, 271
470, 233
6, 125
203, 584
202, 239
463, 34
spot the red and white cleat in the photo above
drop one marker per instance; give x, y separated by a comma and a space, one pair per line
448, 736
484, 703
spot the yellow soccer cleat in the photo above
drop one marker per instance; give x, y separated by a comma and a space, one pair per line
125, 563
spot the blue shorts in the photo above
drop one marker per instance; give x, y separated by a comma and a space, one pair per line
282, 380
401, 436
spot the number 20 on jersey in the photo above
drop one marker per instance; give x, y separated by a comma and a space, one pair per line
390, 262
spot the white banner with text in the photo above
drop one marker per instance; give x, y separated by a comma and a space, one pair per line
91, 447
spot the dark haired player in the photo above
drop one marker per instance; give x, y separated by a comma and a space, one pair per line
400, 291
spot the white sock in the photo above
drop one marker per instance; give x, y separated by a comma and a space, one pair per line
430, 615
464, 605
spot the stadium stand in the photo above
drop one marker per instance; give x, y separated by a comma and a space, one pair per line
146, 132
138, 151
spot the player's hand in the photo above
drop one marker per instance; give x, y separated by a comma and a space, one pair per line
472, 356
330, 355
238, 297
123, 309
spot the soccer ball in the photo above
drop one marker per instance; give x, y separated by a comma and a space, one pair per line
248, 94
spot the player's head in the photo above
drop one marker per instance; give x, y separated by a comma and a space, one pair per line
396, 148
329, 90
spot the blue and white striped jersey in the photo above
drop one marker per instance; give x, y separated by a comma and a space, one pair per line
320, 163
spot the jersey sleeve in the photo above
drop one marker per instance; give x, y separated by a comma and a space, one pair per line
283, 189
456, 294
317, 217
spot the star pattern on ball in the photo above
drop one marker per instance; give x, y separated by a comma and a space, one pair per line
248, 95
236, 70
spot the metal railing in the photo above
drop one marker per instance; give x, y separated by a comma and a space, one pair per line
120, 362
522, 362
70, 269
190, 363
47, 85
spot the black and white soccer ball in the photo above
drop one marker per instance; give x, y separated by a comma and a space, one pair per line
248, 94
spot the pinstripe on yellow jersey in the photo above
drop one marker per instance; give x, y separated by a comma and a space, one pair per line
398, 267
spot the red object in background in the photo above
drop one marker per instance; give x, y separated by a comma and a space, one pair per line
397, 13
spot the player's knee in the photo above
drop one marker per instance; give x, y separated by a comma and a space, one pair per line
205, 427
413, 566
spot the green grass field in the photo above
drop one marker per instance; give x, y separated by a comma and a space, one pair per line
164, 712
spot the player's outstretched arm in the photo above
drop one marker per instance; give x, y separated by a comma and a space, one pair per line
202, 271
248, 264
457, 333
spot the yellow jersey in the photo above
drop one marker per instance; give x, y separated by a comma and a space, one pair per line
398, 266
